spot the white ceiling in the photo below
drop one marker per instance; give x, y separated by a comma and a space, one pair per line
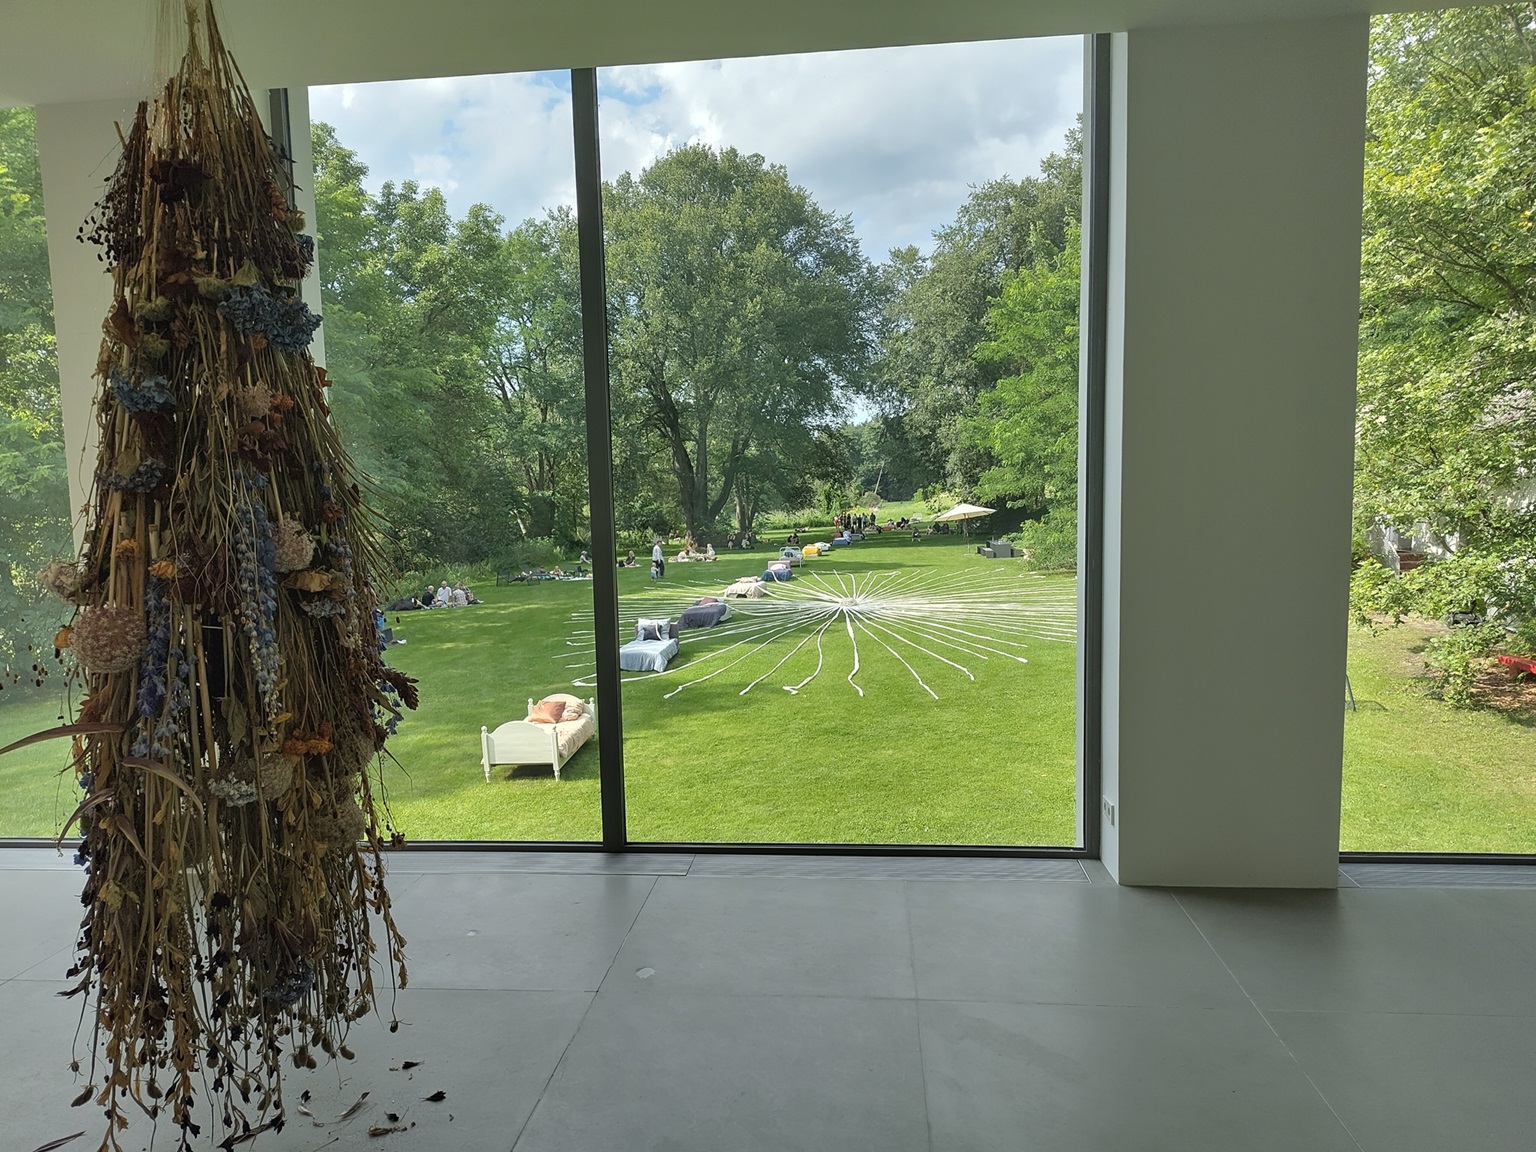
74, 50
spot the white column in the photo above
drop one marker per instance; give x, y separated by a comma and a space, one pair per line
304, 198
78, 150
1234, 293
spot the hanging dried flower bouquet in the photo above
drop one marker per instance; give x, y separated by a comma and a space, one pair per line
225, 631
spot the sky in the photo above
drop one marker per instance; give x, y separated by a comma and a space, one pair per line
894, 137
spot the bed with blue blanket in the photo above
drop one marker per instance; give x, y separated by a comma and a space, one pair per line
704, 613
647, 655
655, 643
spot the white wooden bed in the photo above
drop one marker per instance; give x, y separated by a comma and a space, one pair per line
524, 742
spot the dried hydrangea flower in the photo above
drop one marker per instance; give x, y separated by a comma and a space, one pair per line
60, 577
256, 401
109, 638
295, 547
275, 775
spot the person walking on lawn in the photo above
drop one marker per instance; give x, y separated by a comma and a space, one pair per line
658, 560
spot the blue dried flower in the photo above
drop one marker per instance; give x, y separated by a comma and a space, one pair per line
145, 478
151, 394
282, 318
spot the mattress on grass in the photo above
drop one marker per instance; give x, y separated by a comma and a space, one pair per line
703, 615
647, 655
572, 734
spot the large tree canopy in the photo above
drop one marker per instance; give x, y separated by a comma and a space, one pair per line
34, 493
1447, 417
939, 308
742, 323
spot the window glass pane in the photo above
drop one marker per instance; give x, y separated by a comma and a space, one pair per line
1437, 729
844, 292
447, 243
36, 793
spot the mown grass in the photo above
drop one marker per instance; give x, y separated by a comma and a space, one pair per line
990, 762
1419, 776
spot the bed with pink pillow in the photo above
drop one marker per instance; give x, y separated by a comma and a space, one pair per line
554, 730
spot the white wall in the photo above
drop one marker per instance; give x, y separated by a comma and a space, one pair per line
78, 149
1235, 248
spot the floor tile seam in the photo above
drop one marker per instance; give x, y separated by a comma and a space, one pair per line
522, 872
741, 995
628, 930
1284, 1047
1278, 1010
587, 1011
67, 950
1114, 1005
550, 1079
917, 1011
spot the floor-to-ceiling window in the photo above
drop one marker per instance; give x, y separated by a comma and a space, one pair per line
1437, 732
842, 339
447, 241
843, 297
36, 791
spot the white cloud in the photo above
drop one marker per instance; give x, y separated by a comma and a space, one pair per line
894, 136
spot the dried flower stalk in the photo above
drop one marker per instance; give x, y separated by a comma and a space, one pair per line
229, 822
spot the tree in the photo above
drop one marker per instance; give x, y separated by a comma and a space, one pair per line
742, 320
534, 369
939, 305
455, 353
1027, 423
34, 492
1447, 386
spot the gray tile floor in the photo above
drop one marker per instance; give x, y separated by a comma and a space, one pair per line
673, 1003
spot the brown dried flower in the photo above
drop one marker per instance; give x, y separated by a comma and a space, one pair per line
255, 401
295, 547
109, 638
60, 577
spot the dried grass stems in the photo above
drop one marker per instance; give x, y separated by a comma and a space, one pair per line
230, 830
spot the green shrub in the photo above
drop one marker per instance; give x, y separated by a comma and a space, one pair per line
1050, 543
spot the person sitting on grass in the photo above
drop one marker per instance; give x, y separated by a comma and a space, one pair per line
458, 598
583, 563
709, 551
469, 597
443, 596
629, 561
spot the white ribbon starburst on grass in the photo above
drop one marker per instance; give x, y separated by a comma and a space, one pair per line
922, 619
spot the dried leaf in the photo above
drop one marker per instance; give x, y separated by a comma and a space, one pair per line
309, 581
81, 1100
62, 730
437, 1097
353, 1111
60, 1142
392, 1117
382, 1130
407, 1065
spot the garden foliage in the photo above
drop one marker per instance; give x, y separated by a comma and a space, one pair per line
1447, 385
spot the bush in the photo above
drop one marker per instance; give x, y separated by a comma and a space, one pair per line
1050, 543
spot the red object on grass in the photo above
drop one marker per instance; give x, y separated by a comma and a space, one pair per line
1521, 663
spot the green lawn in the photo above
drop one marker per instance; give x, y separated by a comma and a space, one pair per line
989, 762
1419, 776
